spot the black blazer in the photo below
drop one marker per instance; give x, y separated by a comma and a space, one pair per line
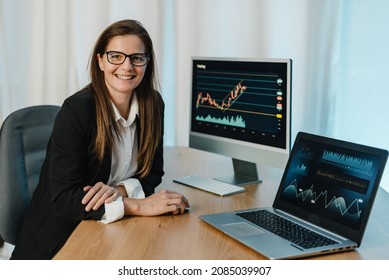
70, 164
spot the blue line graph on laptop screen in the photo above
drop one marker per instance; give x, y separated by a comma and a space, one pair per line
331, 182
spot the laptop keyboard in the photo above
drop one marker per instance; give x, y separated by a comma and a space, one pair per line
293, 232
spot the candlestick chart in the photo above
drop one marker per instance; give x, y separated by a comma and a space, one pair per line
251, 101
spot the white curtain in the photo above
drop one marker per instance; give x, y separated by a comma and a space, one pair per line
339, 50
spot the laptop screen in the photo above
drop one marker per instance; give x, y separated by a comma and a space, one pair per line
331, 183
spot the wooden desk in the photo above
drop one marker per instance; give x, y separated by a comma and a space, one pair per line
185, 236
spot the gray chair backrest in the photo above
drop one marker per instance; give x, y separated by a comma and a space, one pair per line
23, 140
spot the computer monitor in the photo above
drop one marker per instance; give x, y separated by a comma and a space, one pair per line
241, 108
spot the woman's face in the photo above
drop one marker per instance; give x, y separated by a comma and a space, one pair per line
122, 79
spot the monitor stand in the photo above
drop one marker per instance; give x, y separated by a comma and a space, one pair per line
245, 173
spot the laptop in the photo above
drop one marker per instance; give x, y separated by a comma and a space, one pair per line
322, 205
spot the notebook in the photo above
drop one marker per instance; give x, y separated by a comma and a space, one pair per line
327, 189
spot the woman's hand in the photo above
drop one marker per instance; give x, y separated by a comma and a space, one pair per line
97, 195
159, 203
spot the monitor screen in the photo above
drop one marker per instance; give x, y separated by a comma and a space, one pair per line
241, 108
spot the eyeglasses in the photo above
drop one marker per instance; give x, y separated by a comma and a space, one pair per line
136, 59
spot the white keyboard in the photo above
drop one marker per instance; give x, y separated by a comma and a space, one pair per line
209, 185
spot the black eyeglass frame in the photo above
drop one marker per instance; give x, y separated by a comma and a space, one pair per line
130, 56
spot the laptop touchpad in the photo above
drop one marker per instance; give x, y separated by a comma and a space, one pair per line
242, 229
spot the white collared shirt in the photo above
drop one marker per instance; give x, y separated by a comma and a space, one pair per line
124, 163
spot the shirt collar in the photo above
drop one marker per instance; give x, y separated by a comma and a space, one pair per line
134, 111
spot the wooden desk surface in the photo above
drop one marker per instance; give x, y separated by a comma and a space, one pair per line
185, 236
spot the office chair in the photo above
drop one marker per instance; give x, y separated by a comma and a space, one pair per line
23, 139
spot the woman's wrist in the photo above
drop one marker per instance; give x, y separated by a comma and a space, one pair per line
122, 190
131, 206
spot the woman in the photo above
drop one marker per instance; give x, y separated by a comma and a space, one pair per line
105, 155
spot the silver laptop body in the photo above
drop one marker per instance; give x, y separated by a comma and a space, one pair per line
328, 187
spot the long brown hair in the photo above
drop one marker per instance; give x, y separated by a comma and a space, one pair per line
150, 106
